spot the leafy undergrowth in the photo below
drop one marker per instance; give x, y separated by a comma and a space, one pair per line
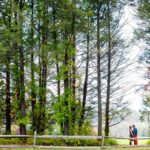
57, 142
148, 142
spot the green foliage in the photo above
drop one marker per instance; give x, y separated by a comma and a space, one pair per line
58, 142
2, 101
148, 142
54, 142
49, 30
24, 121
143, 32
77, 142
110, 142
145, 112
144, 7
10, 141
60, 110
87, 128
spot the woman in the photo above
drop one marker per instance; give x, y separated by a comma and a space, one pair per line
130, 135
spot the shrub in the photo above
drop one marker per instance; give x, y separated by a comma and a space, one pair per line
49, 142
68, 142
10, 141
57, 142
109, 142
148, 142
83, 142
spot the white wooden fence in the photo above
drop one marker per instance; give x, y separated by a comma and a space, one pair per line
35, 137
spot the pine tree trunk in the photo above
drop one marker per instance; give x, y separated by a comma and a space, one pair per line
66, 90
85, 85
33, 92
99, 72
43, 84
22, 91
73, 78
57, 61
108, 75
21, 75
38, 121
8, 99
8, 104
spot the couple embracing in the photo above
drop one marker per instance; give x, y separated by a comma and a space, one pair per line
133, 134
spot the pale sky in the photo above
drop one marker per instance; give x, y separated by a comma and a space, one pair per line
135, 75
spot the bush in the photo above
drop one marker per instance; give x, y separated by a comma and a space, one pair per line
148, 142
20, 141
50, 141
109, 142
68, 142
75, 142
57, 142
83, 142
4, 141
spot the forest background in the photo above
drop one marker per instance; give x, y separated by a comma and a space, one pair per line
65, 62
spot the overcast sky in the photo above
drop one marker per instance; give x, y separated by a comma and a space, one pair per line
135, 75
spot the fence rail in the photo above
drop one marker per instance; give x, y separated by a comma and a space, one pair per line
16, 136
35, 137
138, 138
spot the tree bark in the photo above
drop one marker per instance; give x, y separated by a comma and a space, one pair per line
22, 91
8, 104
56, 57
22, 105
66, 92
33, 92
73, 74
43, 84
108, 75
99, 72
8, 99
85, 85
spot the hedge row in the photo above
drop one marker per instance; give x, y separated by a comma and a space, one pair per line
57, 142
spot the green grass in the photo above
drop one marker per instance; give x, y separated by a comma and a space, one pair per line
120, 142
129, 149
126, 142
84, 149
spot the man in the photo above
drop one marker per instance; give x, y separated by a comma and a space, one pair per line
135, 135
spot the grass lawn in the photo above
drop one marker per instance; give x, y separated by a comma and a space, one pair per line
126, 142
82, 149
129, 149
121, 142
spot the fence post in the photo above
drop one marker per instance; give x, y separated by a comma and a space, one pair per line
34, 141
103, 139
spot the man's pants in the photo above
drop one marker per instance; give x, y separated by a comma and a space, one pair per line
135, 140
